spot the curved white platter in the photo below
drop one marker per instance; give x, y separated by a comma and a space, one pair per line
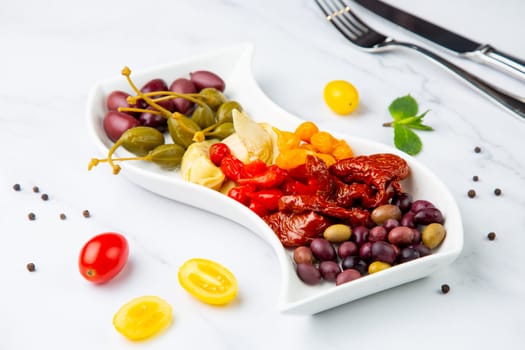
233, 64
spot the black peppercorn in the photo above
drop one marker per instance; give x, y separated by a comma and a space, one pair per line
477, 149
475, 178
31, 267
497, 191
445, 288
17, 187
491, 236
31, 216
44, 196
62, 216
86, 213
471, 193
36, 189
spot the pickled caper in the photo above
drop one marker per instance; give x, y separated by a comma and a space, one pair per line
212, 97
222, 131
203, 116
168, 156
182, 129
224, 113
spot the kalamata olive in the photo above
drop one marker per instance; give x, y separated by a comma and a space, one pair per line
401, 236
365, 251
347, 276
377, 266
346, 249
384, 212
359, 235
407, 254
420, 204
433, 235
183, 86
118, 99
421, 249
116, 123
329, 270
337, 233
308, 273
383, 251
403, 201
408, 220
377, 233
153, 120
396, 249
390, 224
303, 255
417, 236
154, 85
205, 79
354, 262
428, 215
322, 249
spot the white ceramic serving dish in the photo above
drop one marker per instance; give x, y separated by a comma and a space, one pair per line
234, 66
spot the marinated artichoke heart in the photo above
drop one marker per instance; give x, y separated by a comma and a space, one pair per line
197, 167
251, 140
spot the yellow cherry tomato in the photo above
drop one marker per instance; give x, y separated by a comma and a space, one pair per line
143, 317
341, 96
208, 281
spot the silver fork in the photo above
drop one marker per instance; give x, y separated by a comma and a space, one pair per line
363, 36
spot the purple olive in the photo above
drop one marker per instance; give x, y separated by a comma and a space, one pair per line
347, 276
355, 262
154, 85
383, 251
329, 270
308, 273
118, 99
403, 201
346, 249
420, 204
407, 254
422, 249
390, 224
365, 251
322, 249
116, 123
206, 79
427, 216
377, 233
183, 86
153, 120
401, 236
408, 220
359, 235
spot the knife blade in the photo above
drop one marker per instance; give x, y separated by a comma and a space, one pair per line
452, 41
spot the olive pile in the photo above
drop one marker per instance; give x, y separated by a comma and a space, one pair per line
402, 231
191, 110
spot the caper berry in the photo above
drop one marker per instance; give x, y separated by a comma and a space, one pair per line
167, 156
212, 97
182, 129
222, 131
203, 116
140, 140
224, 113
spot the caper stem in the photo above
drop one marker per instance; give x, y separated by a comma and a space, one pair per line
115, 167
172, 94
139, 110
126, 72
201, 135
94, 160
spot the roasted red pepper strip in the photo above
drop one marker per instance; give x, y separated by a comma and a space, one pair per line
232, 168
218, 151
268, 198
254, 168
242, 194
271, 178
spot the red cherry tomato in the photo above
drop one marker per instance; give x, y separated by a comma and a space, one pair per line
103, 257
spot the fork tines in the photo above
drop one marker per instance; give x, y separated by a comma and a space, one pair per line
340, 15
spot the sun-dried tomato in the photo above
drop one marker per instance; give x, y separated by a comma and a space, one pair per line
294, 230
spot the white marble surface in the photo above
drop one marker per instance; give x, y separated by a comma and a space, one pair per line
54, 51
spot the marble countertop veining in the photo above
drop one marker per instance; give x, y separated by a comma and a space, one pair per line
53, 52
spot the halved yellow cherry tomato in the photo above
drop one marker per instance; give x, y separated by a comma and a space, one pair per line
208, 281
143, 317
341, 96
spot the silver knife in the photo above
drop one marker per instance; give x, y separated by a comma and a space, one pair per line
457, 43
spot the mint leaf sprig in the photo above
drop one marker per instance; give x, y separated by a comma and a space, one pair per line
404, 112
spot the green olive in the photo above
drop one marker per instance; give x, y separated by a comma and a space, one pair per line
182, 129
212, 97
224, 113
384, 212
168, 156
377, 266
203, 116
141, 139
337, 233
222, 131
433, 235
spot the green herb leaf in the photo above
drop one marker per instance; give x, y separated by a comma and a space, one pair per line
403, 107
406, 140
